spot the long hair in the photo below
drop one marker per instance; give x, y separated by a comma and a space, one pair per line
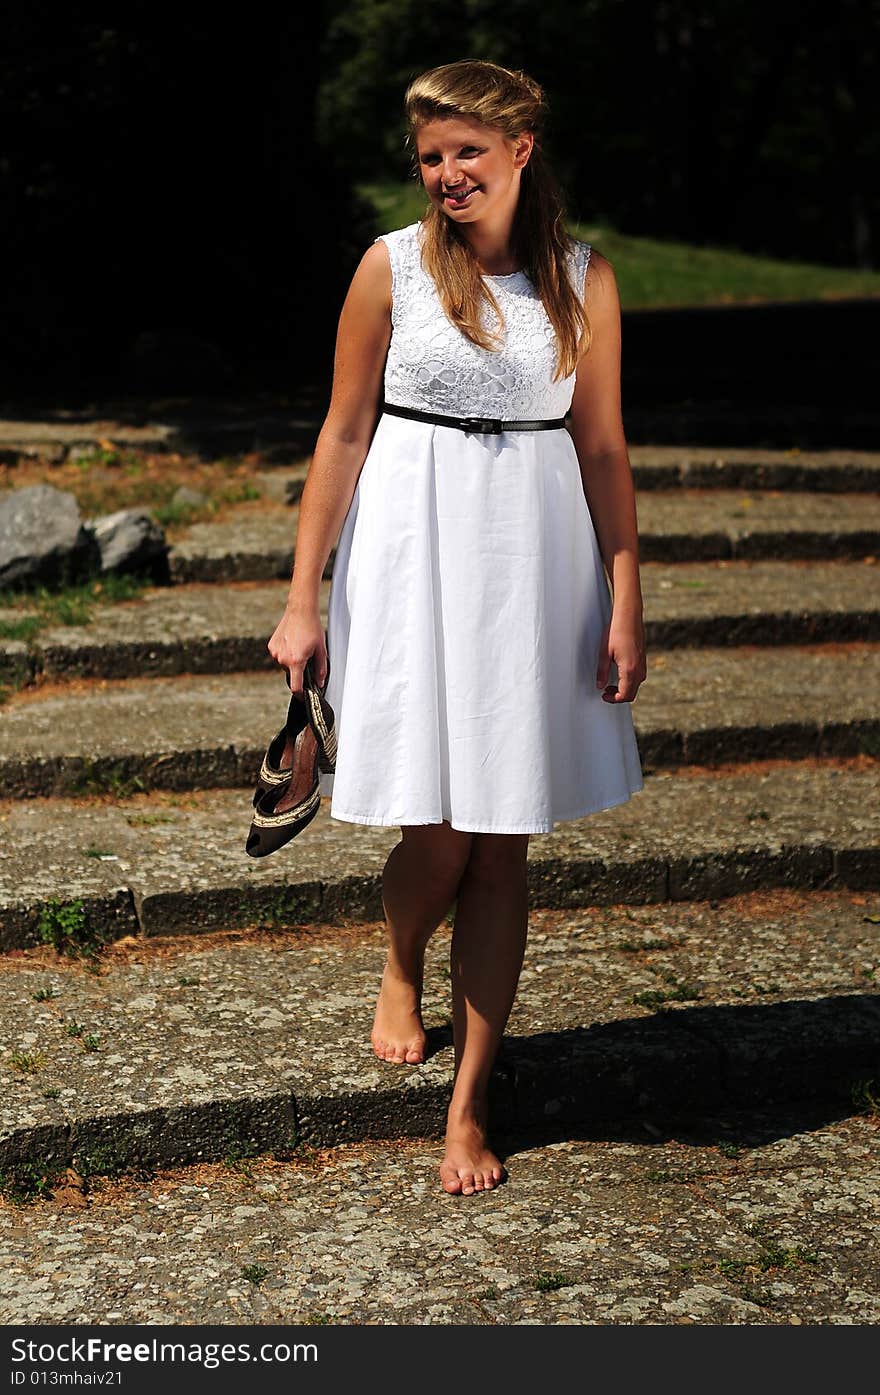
512, 103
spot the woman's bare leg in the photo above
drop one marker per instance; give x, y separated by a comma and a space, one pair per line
419, 883
488, 944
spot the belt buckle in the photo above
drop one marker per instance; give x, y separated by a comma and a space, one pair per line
485, 426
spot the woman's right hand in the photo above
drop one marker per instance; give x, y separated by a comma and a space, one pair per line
299, 636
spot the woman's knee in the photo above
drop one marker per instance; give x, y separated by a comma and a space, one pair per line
441, 850
498, 857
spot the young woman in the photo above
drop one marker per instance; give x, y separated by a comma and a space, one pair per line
481, 673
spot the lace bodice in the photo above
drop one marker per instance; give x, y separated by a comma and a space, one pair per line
432, 366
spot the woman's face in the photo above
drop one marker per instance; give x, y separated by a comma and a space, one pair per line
468, 169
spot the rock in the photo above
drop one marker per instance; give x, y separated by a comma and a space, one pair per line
186, 498
130, 541
43, 540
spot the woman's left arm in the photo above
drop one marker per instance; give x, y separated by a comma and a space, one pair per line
598, 435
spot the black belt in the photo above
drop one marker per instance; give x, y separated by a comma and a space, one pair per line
485, 425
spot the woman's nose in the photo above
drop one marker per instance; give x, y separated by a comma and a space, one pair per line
451, 175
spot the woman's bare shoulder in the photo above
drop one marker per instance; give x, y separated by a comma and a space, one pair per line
371, 282
601, 282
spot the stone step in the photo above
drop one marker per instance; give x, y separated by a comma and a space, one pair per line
697, 467
704, 706
675, 525
280, 435
167, 863
832, 471
203, 628
723, 1221
191, 1051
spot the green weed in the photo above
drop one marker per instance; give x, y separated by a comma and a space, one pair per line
26, 1062
545, 1282
43, 995
65, 926
295, 1149
25, 1181
93, 777
71, 604
254, 1273
865, 1098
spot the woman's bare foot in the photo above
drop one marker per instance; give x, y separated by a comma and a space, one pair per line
469, 1165
398, 1032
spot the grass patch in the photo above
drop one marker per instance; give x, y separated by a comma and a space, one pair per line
659, 997
148, 820
865, 1096
254, 1273
105, 1160
94, 777
295, 1149
26, 1062
72, 605
651, 272
239, 1156
545, 1282
66, 927
175, 513
27, 1181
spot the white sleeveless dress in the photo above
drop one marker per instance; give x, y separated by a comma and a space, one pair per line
468, 594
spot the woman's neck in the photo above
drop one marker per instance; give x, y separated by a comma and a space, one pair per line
491, 244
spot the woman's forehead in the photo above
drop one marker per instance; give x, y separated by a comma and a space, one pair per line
452, 130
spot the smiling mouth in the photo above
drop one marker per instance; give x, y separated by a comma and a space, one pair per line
462, 196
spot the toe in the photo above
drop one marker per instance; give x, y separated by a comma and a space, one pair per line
450, 1183
467, 1182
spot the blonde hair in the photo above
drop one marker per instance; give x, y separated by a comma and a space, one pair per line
512, 103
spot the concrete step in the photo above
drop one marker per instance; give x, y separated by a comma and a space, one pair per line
722, 1221
706, 467
166, 863
675, 525
279, 435
188, 1051
704, 706
696, 467
203, 628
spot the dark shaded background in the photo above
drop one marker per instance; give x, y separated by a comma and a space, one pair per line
178, 205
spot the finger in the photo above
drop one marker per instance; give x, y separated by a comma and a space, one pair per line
295, 678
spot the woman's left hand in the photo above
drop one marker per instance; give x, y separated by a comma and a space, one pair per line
623, 641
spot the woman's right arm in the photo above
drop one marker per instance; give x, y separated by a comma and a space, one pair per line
361, 347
